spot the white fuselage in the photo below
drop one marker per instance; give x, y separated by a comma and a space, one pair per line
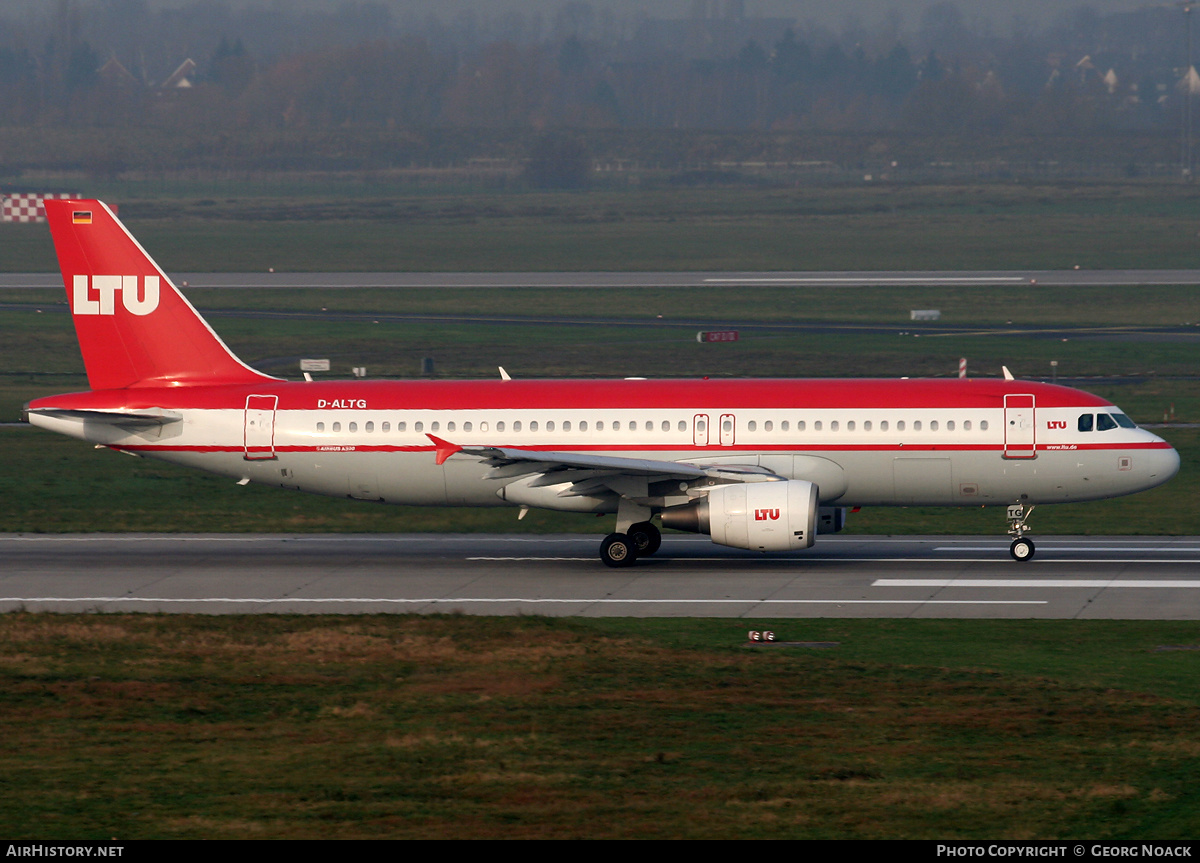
857, 456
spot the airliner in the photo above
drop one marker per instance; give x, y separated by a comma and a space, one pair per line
763, 465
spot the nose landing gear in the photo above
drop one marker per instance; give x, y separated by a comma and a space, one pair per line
1022, 547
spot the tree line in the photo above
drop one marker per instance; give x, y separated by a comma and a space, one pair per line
110, 65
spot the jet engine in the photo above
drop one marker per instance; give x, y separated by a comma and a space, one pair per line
760, 516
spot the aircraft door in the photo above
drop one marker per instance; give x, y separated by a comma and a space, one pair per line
728, 429
700, 430
259, 427
1019, 428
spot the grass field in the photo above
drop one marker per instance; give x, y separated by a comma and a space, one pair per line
142, 726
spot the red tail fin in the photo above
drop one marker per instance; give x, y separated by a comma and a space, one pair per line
134, 327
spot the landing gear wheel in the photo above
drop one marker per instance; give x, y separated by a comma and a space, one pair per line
1021, 549
617, 550
645, 537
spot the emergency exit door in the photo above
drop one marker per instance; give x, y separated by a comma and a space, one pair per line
1020, 431
259, 427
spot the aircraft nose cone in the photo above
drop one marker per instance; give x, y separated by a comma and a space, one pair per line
1164, 464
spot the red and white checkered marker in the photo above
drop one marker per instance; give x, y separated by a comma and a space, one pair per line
27, 207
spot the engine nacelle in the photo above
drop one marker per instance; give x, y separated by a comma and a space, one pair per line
760, 516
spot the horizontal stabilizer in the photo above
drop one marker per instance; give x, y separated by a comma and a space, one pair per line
145, 417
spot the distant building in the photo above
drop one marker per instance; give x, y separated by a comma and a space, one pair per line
181, 78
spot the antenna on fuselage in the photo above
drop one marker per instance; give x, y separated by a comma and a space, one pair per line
1008, 376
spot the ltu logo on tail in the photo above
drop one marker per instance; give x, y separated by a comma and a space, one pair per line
100, 297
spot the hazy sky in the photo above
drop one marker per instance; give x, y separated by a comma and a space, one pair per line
829, 13
999, 12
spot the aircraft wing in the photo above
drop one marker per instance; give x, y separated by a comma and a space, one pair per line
558, 467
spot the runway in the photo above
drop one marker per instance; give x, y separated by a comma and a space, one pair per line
842, 576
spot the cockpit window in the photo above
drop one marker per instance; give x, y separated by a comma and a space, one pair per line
1085, 422
1104, 422
1124, 421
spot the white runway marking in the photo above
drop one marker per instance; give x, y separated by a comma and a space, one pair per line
1034, 582
1049, 547
494, 600
868, 280
1004, 560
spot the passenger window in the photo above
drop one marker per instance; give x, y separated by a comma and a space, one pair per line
752, 426
649, 425
800, 426
583, 425
700, 426
833, 426
666, 425
933, 425
784, 426
682, 426
516, 426
1085, 422
385, 428
767, 426
451, 426
866, 425
900, 425
401, 427
467, 427
883, 425
850, 426
599, 425
320, 427
966, 425
983, 425
419, 427
950, 425
370, 426
337, 427
533, 425
353, 427
550, 426
566, 425
817, 426
435, 426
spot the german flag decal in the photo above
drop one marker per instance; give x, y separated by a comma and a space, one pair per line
81, 217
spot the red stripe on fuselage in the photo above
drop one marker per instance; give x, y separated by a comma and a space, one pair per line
813, 394
706, 451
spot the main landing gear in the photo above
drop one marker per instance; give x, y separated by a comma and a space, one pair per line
1022, 547
622, 549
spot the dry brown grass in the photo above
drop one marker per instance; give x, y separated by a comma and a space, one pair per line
140, 725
